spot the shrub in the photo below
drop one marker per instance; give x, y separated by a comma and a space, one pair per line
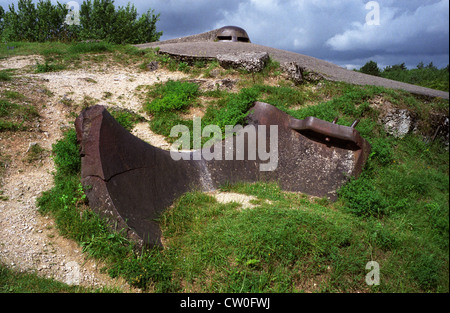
40, 22
48, 67
362, 198
5, 75
99, 20
233, 109
426, 269
381, 151
66, 155
173, 95
126, 118
370, 68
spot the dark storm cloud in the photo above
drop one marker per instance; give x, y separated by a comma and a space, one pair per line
186, 17
413, 33
410, 31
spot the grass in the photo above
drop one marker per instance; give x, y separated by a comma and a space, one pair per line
126, 118
427, 77
396, 213
15, 112
5, 75
48, 67
55, 48
266, 249
13, 281
172, 96
62, 56
35, 153
16, 282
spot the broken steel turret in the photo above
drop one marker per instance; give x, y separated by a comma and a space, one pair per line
131, 182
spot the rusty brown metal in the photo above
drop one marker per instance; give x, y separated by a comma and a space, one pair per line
131, 182
344, 135
232, 34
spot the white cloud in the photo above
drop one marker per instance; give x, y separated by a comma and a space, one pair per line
399, 31
294, 24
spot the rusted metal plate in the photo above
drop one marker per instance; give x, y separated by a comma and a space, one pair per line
314, 156
128, 181
132, 182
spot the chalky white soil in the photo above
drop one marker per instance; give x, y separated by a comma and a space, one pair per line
29, 241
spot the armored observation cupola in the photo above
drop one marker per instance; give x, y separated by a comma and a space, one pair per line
232, 34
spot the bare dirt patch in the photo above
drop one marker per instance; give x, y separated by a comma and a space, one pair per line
20, 62
29, 241
244, 201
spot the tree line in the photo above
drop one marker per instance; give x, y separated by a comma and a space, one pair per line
93, 20
424, 75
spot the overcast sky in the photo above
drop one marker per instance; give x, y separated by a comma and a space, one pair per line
339, 31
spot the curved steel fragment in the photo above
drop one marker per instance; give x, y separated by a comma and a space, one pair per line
131, 182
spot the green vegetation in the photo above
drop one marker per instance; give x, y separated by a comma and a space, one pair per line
126, 118
12, 281
232, 109
15, 112
273, 248
426, 76
172, 96
65, 56
46, 67
67, 197
396, 213
16, 282
35, 153
166, 101
98, 20
5, 75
